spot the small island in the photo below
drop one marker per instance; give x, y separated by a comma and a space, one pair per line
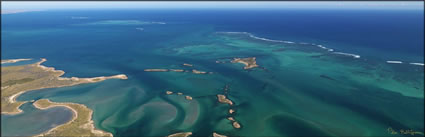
235, 123
248, 62
218, 135
189, 65
231, 111
183, 134
179, 93
223, 99
198, 72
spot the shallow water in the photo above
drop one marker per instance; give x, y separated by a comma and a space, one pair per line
34, 121
302, 90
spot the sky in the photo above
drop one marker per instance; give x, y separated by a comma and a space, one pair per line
46, 5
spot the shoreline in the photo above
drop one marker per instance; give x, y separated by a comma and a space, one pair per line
13, 60
45, 77
12, 98
74, 116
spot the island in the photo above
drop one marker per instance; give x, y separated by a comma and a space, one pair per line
189, 65
248, 62
218, 135
183, 134
198, 72
223, 99
235, 123
179, 94
17, 80
231, 111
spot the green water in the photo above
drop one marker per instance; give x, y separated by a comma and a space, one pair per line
297, 90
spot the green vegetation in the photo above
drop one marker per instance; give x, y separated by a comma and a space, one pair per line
81, 125
19, 81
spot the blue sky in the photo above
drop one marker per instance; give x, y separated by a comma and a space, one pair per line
45, 5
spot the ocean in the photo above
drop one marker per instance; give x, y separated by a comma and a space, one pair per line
342, 87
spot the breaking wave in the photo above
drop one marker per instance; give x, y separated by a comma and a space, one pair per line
347, 54
419, 64
394, 62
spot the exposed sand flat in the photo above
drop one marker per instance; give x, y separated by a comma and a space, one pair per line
248, 62
198, 72
218, 135
169, 92
81, 121
95, 79
179, 93
189, 65
183, 134
156, 70
13, 60
223, 99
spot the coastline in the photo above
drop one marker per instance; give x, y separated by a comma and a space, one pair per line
73, 80
13, 60
88, 125
42, 77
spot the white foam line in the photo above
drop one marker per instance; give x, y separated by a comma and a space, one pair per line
280, 41
394, 62
347, 54
419, 64
141, 29
323, 47
259, 38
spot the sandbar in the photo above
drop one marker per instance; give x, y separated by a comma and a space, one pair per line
156, 70
13, 60
183, 134
231, 111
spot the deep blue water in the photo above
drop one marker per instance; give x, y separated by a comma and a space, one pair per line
389, 34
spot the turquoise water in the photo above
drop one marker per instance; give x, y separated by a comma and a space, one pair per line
34, 121
299, 89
